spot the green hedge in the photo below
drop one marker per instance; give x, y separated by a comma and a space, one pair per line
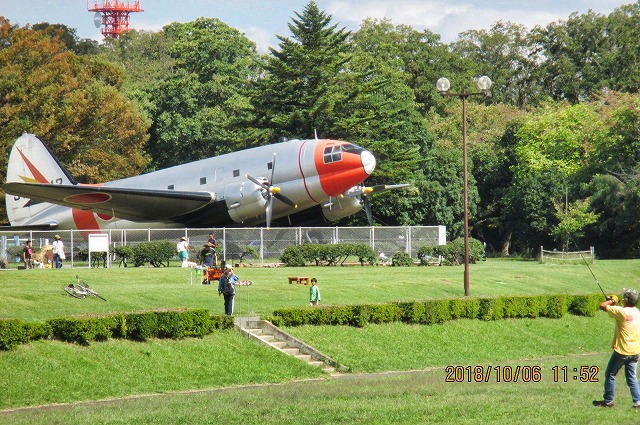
439, 311
452, 252
327, 254
174, 324
156, 253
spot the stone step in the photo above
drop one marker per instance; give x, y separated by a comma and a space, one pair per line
279, 344
267, 338
328, 369
255, 331
304, 357
291, 351
316, 363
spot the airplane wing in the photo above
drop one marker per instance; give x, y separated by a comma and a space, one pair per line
125, 203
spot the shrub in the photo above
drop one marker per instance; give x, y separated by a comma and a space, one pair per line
123, 253
585, 305
436, 311
156, 253
453, 252
293, 256
429, 254
328, 254
13, 333
401, 259
82, 254
491, 309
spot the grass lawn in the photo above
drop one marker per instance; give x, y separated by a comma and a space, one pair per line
37, 295
398, 372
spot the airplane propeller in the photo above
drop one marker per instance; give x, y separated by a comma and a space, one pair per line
272, 191
363, 193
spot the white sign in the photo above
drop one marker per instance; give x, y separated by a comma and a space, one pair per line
99, 242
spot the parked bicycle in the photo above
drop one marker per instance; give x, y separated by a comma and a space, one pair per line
81, 290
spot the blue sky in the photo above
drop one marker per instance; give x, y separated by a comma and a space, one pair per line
262, 20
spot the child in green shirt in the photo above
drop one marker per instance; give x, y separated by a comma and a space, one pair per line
314, 292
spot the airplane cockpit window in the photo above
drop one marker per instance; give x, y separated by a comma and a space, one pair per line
170, 187
332, 154
351, 148
203, 180
269, 165
236, 173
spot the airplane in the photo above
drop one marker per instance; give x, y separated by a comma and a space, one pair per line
322, 180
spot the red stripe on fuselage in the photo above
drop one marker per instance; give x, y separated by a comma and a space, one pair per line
85, 222
304, 180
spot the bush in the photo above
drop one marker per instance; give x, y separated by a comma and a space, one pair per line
453, 252
585, 305
156, 253
401, 259
293, 256
123, 253
13, 332
329, 254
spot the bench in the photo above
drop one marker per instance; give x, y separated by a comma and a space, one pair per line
299, 280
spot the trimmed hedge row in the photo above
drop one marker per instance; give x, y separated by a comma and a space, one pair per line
175, 324
439, 311
326, 254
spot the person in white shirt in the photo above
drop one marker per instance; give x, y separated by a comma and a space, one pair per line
183, 251
58, 252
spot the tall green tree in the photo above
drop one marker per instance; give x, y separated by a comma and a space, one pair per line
505, 53
590, 52
299, 92
194, 81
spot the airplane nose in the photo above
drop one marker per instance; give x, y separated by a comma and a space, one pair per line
368, 161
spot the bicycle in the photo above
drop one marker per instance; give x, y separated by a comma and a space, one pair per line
81, 290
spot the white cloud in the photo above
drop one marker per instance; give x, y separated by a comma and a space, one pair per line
261, 36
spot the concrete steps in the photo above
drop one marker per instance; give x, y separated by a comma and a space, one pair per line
266, 333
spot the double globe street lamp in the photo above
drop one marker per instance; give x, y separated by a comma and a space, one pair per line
443, 85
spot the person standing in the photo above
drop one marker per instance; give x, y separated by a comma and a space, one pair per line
58, 252
626, 346
212, 241
183, 250
227, 288
27, 255
208, 255
314, 292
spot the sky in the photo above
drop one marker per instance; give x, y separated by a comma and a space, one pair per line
262, 20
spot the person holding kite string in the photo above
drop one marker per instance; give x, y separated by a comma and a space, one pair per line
626, 346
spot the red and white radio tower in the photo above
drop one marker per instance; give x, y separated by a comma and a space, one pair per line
113, 15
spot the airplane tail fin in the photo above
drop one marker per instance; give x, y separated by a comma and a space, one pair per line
31, 161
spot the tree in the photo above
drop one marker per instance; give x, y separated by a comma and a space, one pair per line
71, 102
504, 53
300, 90
589, 53
193, 80
572, 220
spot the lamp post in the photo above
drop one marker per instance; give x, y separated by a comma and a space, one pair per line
443, 85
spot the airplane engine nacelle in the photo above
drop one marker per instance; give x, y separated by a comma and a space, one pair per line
341, 208
244, 201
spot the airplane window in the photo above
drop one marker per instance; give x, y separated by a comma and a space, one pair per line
349, 147
203, 180
170, 187
332, 154
269, 165
236, 173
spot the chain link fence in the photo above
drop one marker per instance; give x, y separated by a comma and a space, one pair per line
232, 242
